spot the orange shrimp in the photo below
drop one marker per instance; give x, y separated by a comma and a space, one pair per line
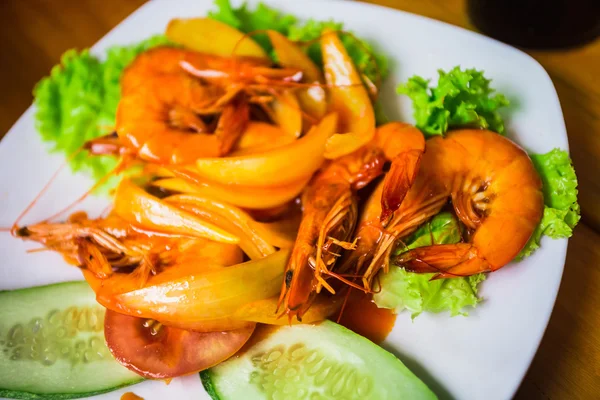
177, 135
159, 116
329, 216
495, 192
403, 145
390, 211
375, 240
330, 209
99, 245
224, 70
239, 71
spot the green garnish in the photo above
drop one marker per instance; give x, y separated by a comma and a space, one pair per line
561, 210
264, 17
78, 101
401, 290
460, 99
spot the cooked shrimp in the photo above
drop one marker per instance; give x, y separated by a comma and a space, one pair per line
225, 70
392, 202
161, 124
159, 116
329, 216
403, 145
239, 71
330, 212
99, 245
496, 192
375, 241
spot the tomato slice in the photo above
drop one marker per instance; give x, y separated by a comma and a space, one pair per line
156, 351
211, 325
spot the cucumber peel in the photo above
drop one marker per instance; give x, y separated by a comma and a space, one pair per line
52, 344
324, 361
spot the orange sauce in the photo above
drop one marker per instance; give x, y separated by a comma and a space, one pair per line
362, 316
131, 396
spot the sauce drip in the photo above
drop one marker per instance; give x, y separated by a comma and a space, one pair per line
362, 316
131, 396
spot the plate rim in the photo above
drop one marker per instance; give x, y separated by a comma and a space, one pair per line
98, 46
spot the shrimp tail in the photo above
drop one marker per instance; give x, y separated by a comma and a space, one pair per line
447, 260
398, 181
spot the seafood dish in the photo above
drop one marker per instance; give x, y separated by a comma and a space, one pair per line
267, 221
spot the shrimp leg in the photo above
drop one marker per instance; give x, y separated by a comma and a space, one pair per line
329, 217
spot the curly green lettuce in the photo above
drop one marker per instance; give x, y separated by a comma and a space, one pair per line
462, 98
561, 209
369, 62
401, 290
78, 100
69, 105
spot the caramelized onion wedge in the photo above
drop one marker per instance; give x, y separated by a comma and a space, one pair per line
281, 233
287, 114
260, 137
138, 207
265, 311
210, 36
313, 100
348, 98
254, 198
227, 217
272, 168
187, 293
156, 351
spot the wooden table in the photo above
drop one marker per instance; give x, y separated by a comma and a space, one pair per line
34, 33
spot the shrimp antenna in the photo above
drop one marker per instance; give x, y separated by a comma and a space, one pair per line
346, 281
13, 230
343, 307
115, 171
425, 267
248, 35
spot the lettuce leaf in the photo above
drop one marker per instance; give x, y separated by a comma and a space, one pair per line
264, 17
401, 290
465, 99
460, 99
78, 100
561, 209
68, 105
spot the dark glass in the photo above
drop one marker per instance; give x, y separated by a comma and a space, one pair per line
541, 24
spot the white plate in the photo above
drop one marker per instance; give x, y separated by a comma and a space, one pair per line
484, 356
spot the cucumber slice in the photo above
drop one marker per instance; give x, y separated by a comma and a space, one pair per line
52, 344
325, 361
